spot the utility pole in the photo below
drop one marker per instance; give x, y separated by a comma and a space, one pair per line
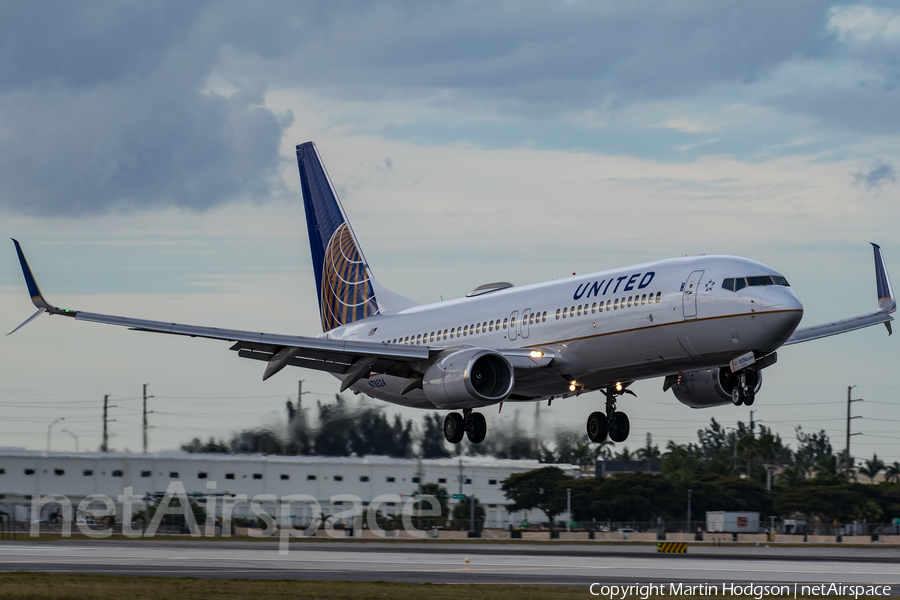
300, 393
104, 447
688, 530
145, 417
848, 460
569, 508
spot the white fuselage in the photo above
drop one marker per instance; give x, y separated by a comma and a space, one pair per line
619, 325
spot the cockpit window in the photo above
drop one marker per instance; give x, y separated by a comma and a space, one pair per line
759, 280
738, 283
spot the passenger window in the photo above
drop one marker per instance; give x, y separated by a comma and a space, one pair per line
616, 304
579, 310
565, 312
419, 339
531, 318
491, 326
557, 314
478, 328
629, 301
728, 284
484, 327
544, 317
593, 308
452, 332
504, 323
643, 299
432, 336
572, 311
466, 330
512, 323
658, 294
406, 341
608, 304
740, 283
445, 334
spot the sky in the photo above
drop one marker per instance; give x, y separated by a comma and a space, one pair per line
147, 167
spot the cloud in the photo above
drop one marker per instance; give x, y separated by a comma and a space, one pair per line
103, 106
875, 178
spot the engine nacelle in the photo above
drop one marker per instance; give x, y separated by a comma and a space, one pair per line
710, 387
468, 378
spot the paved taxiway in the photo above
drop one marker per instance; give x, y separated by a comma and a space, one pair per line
445, 563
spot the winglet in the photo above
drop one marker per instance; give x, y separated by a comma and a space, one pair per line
35, 292
886, 301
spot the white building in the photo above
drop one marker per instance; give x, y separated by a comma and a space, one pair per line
77, 475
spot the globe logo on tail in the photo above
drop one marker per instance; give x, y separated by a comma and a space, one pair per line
347, 294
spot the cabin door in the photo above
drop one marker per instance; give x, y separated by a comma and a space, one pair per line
689, 294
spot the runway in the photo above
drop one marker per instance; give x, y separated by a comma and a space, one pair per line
525, 564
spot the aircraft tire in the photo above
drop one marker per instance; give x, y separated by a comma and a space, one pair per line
737, 395
749, 397
454, 428
477, 430
623, 427
597, 427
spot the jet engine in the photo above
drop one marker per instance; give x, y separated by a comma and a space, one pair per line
468, 379
709, 387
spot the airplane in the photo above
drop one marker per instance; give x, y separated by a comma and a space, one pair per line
707, 325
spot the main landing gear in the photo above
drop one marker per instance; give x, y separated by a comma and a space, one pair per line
472, 424
615, 424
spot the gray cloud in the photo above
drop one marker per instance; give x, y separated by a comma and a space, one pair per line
876, 177
102, 105
546, 57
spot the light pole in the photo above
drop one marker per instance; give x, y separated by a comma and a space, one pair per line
51, 427
75, 437
568, 509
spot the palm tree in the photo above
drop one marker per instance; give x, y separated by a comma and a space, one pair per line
872, 468
648, 454
747, 446
892, 472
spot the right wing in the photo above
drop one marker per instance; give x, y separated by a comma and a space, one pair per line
886, 306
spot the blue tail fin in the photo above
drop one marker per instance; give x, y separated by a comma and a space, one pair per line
344, 284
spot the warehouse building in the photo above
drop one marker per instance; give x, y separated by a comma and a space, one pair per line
77, 475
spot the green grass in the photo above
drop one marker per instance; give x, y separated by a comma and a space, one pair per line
60, 586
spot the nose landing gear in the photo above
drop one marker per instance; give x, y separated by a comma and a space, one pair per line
472, 424
743, 393
614, 424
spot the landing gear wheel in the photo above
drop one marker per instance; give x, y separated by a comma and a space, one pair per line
597, 427
454, 428
476, 428
749, 397
622, 428
737, 395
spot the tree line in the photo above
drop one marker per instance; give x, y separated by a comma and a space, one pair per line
745, 469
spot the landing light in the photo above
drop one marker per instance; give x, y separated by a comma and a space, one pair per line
572, 387
536, 354
618, 387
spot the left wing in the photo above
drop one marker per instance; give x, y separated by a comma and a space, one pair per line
886, 306
350, 358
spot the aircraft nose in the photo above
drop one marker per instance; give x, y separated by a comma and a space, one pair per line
782, 311
780, 298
